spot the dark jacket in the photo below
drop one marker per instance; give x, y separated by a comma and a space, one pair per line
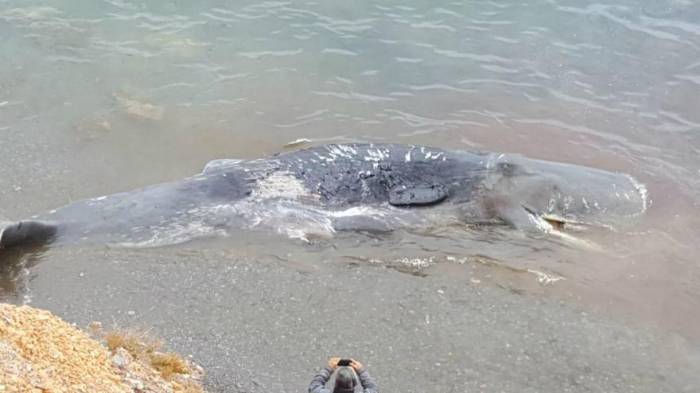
318, 384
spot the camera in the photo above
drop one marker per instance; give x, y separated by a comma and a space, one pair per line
344, 362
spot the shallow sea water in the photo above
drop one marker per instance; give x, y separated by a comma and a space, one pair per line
98, 97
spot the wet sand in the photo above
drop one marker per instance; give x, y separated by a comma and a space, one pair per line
265, 325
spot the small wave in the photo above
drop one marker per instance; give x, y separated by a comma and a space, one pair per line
337, 51
605, 11
278, 53
175, 233
365, 98
694, 79
409, 60
417, 121
436, 25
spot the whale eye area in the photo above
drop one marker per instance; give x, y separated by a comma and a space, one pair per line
507, 168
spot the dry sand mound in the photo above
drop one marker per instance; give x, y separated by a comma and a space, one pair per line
39, 352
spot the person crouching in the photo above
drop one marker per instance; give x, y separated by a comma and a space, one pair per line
347, 375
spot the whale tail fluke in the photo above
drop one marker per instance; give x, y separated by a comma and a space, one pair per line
22, 233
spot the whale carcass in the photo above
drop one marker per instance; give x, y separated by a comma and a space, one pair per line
358, 187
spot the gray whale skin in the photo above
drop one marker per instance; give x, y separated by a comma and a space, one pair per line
359, 187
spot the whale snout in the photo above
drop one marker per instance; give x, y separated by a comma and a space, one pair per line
570, 194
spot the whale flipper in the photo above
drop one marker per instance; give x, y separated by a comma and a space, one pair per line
417, 195
26, 233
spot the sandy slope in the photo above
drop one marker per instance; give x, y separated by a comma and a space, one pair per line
39, 352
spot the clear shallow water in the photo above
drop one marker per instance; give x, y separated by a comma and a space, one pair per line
100, 97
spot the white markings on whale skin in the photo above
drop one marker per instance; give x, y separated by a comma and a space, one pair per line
494, 158
376, 155
434, 156
282, 201
568, 200
585, 203
643, 193
345, 151
324, 158
221, 163
282, 185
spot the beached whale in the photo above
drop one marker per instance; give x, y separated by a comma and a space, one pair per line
362, 187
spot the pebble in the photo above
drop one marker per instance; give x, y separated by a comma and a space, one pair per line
135, 384
121, 358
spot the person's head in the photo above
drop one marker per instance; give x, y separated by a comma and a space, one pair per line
344, 380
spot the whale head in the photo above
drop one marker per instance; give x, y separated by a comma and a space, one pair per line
566, 196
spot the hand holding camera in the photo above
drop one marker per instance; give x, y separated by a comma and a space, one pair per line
336, 362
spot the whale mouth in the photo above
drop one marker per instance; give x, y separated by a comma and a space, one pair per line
556, 223
563, 224
562, 229
560, 223
548, 222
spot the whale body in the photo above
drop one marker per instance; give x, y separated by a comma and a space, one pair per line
346, 187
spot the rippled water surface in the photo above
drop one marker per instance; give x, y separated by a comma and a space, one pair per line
98, 97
